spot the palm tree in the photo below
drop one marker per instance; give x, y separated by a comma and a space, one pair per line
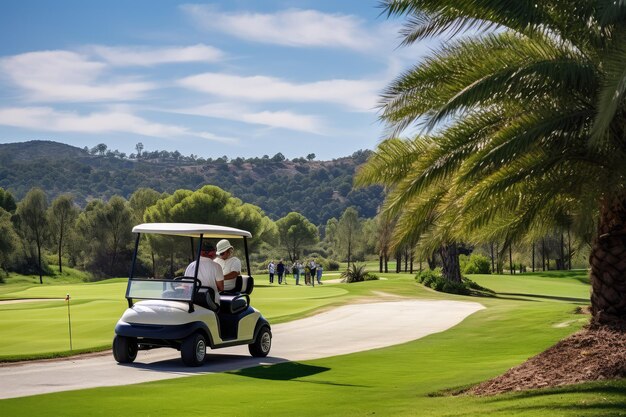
527, 120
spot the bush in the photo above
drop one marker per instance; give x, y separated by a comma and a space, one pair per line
357, 273
330, 265
475, 264
435, 280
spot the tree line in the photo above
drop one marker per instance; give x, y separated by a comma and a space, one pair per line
98, 238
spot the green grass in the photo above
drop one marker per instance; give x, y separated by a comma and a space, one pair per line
403, 380
531, 313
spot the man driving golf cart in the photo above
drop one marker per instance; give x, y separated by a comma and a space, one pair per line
210, 273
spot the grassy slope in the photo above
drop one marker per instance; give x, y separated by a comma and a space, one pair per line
400, 380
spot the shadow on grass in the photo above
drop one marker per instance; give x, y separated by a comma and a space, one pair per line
213, 363
290, 371
545, 297
577, 273
281, 372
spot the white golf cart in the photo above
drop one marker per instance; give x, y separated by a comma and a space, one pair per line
182, 314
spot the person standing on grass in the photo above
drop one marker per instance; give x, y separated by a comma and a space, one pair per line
296, 271
307, 273
313, 267
271, 268
319, 271
281, 271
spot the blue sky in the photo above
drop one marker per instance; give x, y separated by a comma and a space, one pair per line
234, 78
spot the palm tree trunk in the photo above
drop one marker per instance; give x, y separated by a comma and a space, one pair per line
450, 259
398, 262
569, 251
608, 265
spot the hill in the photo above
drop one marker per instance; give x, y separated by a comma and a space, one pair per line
317, 189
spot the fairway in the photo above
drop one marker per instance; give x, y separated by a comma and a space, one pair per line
390, 381
395, 380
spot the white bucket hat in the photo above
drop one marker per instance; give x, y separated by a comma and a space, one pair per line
222, 246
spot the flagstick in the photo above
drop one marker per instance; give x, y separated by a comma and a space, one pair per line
69, 319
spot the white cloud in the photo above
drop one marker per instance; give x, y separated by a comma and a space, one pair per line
291, 27
48, 119
274, 119
146, 56
68, 76
359, 95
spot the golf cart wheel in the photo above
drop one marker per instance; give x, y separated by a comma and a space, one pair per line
193, 350
261, 346
124, 349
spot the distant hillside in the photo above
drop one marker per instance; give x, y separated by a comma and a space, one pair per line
317, 189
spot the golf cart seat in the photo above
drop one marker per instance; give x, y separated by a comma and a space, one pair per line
205, 297
233, 303
243, 285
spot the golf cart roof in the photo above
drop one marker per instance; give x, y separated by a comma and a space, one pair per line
191, 230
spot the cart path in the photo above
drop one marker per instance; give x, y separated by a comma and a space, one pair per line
346, 329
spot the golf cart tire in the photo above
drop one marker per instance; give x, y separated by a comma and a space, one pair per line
193, 349
262, 344
124, 349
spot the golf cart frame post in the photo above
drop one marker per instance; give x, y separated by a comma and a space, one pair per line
193, 231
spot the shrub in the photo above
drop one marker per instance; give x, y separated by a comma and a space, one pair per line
330, 265
357, 273
475, 264
371, 277
435, 280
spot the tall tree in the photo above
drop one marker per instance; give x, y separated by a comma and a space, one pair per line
116, 220
139, 148
210, 205
31, 212
348, 232
529, 118
296, 232
61, 218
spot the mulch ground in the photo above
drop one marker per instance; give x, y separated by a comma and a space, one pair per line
588, 355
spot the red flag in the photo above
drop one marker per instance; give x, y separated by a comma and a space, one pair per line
67, 297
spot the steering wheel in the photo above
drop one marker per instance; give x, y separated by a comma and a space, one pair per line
196, 281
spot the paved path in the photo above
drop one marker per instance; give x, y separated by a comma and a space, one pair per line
346, 329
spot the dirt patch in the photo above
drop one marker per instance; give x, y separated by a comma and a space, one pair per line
588, 355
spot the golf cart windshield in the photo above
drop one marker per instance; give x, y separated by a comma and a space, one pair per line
159, 289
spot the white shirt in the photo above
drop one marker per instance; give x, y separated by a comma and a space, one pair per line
209, 273
270, 267
229, 265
